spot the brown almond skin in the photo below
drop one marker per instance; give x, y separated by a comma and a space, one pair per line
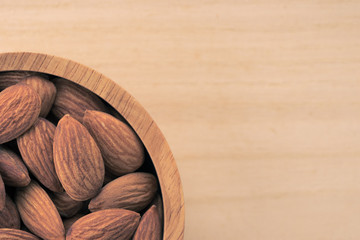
2, 194
19, 109
10, 78
121, 148
149, 227
78, 161
9, 216
73, 99
133, 191
39, 213
12, 169
157, 201
107, 224
68, 222
66, 206
36, 149
45, 89
15, 234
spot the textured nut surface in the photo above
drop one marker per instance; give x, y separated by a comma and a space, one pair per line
78, 161
74, 100
39, 213
10, 78
66, 206
12, 169
15, 234
149, 227
133, 191
121, 148
36, 148
107, 224
9, 216
45, 89
157, 201
19, 109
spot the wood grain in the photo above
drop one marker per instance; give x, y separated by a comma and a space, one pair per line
258, 100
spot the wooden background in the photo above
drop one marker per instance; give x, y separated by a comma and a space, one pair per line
259, 100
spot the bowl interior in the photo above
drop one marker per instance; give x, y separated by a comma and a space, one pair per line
137, 117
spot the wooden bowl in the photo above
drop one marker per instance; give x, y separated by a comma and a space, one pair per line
131, 110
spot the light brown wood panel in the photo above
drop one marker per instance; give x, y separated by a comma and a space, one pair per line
259, 101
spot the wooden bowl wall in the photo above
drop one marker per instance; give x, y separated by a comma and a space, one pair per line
131, 110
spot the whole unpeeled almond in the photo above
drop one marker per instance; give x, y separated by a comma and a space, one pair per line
19, 109
45, 89
121, 148
39, 213
108, 224
12, 169
157, 201
78, 161
149, 227
15, 234
74, 100
36, 148
133, 191
9, 216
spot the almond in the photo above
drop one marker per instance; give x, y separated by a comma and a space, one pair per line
66, 206
39, 213
157, 201
19, 109
149, 227
2, 194
78, 161
133, 191
121, 148
117, 224
12, 169
9, 216
15, 234
36, 148
45, 89
10, 78
70, 221
73, 99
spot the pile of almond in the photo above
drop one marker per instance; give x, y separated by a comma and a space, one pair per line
70, 166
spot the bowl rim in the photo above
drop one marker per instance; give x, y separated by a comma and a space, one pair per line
131, 110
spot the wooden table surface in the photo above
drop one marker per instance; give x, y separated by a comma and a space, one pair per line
259, 100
